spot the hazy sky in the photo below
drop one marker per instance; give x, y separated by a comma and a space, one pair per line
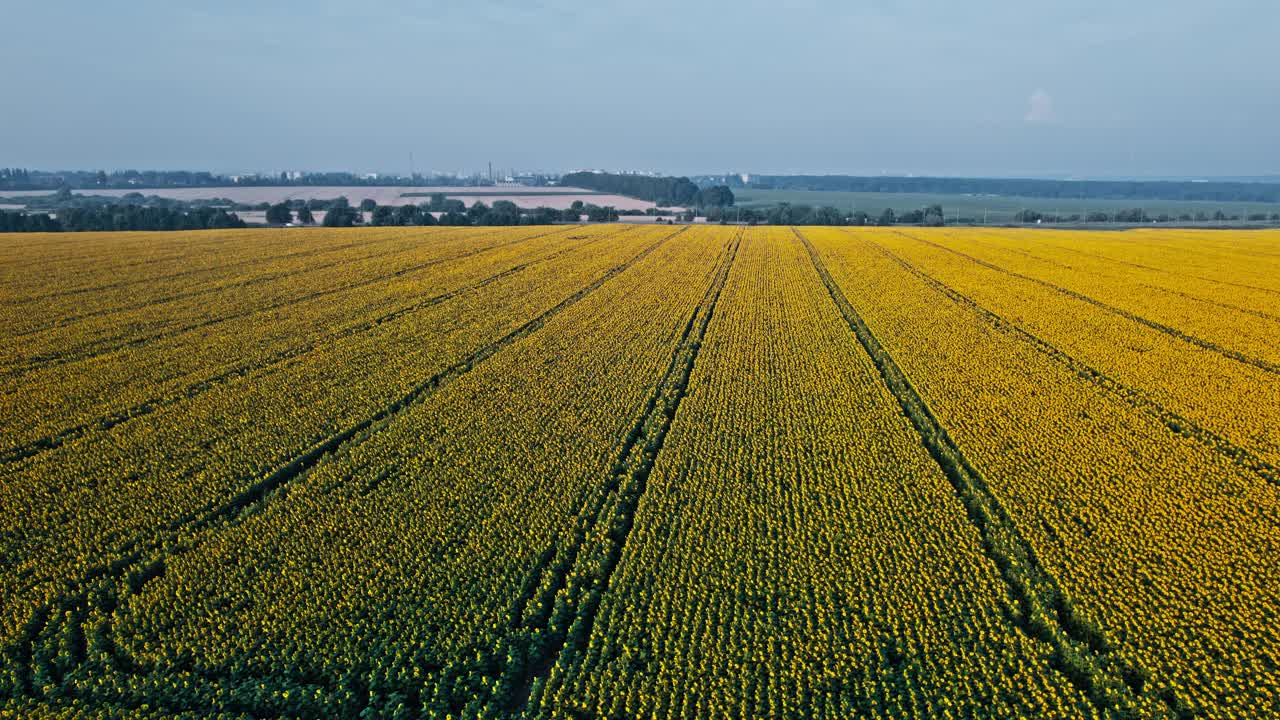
1025, 87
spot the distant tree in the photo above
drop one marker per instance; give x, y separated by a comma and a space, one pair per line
571, 215
455, 218
1275, 217
114, 217
503, 212
100, 179
279, 214
340, 216
718, 196
540, 216
426, 218
888, 217
305, 217
826, 215
383, 215
664, 191
367, 205
407, 215
595, 213
861, 218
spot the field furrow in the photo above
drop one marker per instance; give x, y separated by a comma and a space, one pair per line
781, 560
1045, 613
1240, 321
101, 406
89, 340
587, 568
1265, 362
1160, 542
1202, 386
32, 318
1176, 423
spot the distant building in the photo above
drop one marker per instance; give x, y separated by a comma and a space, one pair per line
521, 180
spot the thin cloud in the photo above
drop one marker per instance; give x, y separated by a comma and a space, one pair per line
1040, 108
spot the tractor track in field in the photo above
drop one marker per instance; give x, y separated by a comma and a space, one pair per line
1146, 286
1259, 363
141, 560
605, 525
1045, 614
1225, 306
233, 285
195, 389
1133, 397
40, 363
181, 273
1165, 271
311, 252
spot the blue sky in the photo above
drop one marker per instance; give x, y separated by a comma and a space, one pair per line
916, 86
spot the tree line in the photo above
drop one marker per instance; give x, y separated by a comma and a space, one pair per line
438, 210
788, 214
1216, 191
933, 216
25, 179
107, 218
662, 191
